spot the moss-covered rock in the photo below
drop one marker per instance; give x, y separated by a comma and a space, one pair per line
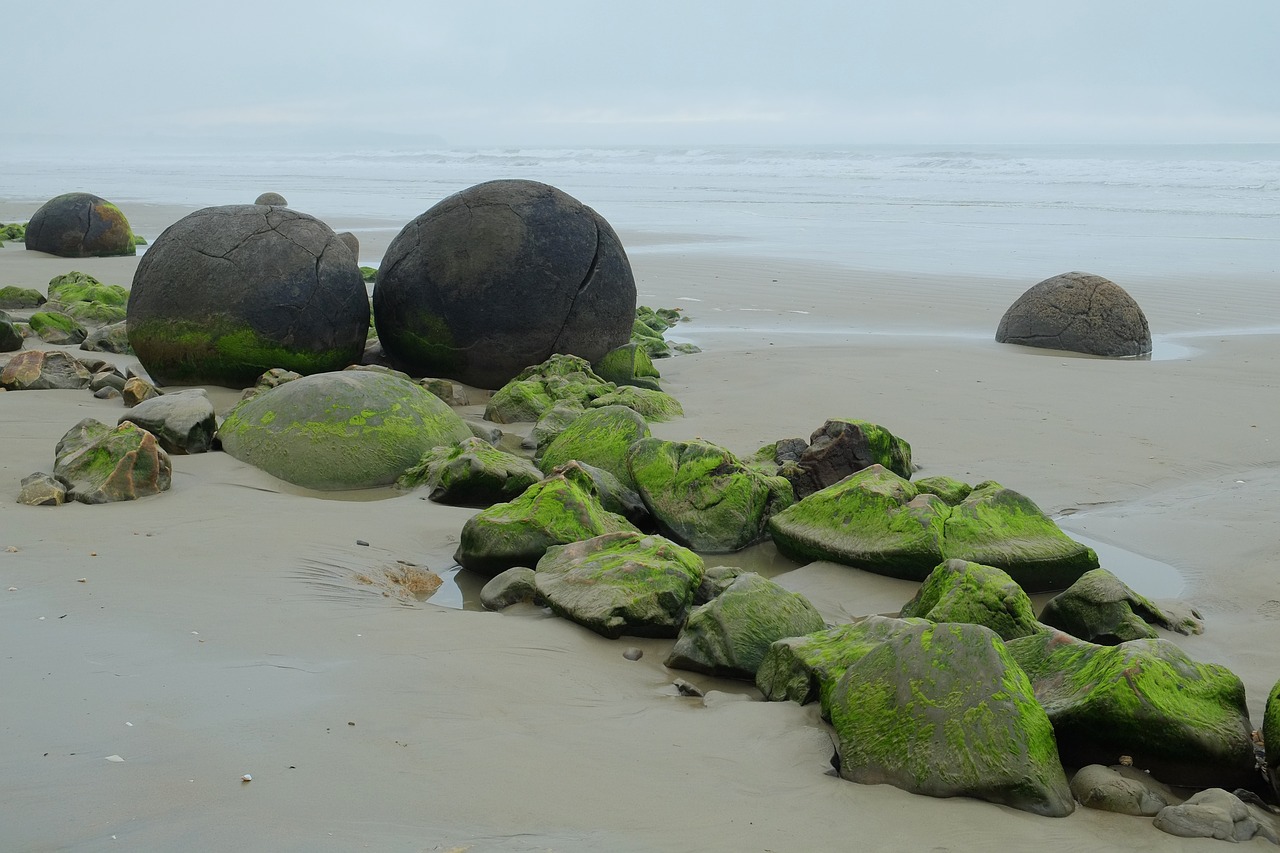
629, 365
808, 668
12, 296
369, 274
471, 473
729, 635
944, 710
13, 231
77, 286
621, 583
878, 521
951, 490
960, 591
702, 495
560, 380
614, 495
840, 447
1271, 737
101, 465
340, 430
79, 225
1100, 608
555, 511
601, 438
54, 327
10, 335
95, 313
1184, 721
650, 341
654, 405
43, 370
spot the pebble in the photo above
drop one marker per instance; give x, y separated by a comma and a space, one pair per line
246, 778
633, 653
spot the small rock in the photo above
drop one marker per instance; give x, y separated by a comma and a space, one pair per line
633, 653
687, 689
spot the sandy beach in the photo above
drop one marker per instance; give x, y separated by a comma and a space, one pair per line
218, 629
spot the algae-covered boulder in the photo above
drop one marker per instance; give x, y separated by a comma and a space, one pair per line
1271, 737
840, 447
729, 635
629, 364
1100, 608
342, 430
880, 522
951, 490
12, 296
554, 511
1185, 722
654, 405
1079, 312
560, 380
44, 370
10, 335
471, 473
614, 495
500, 276
621, 583
100, 464
183, 422
702, 495
944, 710
80, 225
600, 438
960, 591
808, 668
226, 293
54, 327
75, 286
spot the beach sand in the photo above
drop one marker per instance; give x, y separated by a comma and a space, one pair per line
220, 629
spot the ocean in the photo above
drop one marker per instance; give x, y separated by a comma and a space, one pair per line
1012, 211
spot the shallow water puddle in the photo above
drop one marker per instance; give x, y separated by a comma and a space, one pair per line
1144, 575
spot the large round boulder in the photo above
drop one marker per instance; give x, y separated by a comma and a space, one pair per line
499, 277
80, 225
1079, 312
229, 292
352, 429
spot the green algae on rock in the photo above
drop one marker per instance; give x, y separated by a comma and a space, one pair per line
629, 365
343, 430
1100, 608
560, 380
79, 225
554, 511
702, 495
100, 464
600, 438
1186, 722
471, 473
960, 591
944, 710
1271, 737
76, 286
621, 583
653, 405
12, 296
54, 327
880, 522
841, 447
730, 635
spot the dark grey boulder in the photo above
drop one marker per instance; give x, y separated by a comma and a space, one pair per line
111, 338
499, 277
80, 225
513, 586
1078, 312
226, 293
10, 334
842, 447
183, 422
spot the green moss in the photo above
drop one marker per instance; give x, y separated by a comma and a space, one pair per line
601, 438
13, 231
959, 591
560, 380
629, 365
369, 274
20, 297
654, 405
471, 473
116, 237
427, 340
1271, 730
951, 490
76, 286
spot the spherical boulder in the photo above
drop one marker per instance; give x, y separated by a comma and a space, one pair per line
272, 199
80, 225
227, 293
351, 429
1078, 312
499, 277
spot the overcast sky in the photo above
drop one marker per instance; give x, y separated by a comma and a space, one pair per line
683, 72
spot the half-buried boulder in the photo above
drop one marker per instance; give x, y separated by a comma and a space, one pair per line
471, 473
877, 521
226, 293
621, 583
44, 370
183, 422
1078, 312
961, 591
1100, 608
729, 635
944, 710
100, 464
350, 429
702, 495
1185, 722
500, 276
80, 225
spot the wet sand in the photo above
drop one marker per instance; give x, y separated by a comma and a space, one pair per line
220, 630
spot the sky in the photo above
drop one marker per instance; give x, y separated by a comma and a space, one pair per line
379, 73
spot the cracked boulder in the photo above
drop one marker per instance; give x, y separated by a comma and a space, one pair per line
1077, 312
80, 225
227, 293
499, 277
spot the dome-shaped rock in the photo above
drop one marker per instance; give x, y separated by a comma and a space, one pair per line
1079, 312
80, 225
499, 277
227, 293
351, 429
272, 199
